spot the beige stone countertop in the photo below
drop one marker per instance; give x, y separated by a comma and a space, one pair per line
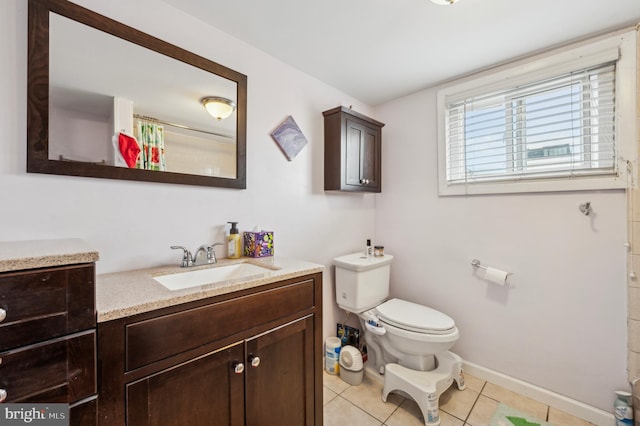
122, 294
21, 255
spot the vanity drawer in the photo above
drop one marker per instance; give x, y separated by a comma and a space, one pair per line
45, 303
59, 370
159, 338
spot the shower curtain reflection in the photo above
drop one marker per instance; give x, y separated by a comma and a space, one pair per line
150, 136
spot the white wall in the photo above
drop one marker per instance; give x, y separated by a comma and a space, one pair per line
562, 326
133, 224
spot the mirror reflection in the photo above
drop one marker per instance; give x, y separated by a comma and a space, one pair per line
122, 104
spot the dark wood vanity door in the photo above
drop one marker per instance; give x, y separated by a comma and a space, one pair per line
362, 156
205, 391
280, 387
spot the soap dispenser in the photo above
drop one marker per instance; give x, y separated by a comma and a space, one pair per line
234, 249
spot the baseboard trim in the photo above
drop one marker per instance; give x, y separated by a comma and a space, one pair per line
555, 400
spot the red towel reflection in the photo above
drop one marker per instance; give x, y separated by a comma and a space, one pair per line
129, 149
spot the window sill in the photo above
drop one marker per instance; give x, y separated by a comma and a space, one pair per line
581, 183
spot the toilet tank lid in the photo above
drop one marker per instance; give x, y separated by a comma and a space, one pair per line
360, 262
415, 317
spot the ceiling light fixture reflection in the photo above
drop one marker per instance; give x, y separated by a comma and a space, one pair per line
444, 2
219, 108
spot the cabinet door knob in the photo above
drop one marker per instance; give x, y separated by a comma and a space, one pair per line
3, 314
254, 360
3, 395
365, 181
238, 367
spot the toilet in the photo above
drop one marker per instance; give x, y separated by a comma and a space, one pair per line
410, 341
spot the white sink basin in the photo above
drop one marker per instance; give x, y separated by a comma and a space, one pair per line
214, 275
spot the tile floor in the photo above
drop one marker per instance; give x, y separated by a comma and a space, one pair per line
346, 405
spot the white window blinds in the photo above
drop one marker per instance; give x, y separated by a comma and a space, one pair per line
562, 126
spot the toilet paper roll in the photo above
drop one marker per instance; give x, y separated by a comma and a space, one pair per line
496, 276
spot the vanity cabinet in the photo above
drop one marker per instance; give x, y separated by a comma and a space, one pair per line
352, 153
48, 339
250, 357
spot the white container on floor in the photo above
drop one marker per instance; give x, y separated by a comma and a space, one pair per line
351, 365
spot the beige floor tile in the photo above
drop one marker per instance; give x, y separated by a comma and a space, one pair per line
458, 403
335, 383
447, 420
473, 383
514, 400
346, 405
409, 414
340, 412
368, 396
327, 395
482, 411
558, 417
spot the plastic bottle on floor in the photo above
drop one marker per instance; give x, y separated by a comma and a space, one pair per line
622, 409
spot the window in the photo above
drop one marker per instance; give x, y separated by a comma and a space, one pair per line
540, 130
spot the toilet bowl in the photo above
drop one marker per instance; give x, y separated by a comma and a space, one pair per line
410, 341
397, 330
408, 333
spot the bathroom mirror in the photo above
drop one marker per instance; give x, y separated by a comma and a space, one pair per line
108, 101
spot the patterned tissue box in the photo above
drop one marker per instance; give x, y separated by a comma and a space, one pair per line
258, 244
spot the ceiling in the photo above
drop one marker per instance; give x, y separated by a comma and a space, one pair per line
378, 50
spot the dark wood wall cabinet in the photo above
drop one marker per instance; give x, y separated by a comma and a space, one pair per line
352, 151
251, 357
48, 339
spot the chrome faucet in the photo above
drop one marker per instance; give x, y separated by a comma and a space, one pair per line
189, 260
208, 249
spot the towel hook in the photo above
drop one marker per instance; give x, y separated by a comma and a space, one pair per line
585, 208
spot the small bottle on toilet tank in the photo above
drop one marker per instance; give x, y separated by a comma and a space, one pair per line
369, 250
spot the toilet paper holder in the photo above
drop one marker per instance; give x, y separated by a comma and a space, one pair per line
492, 274
476, 263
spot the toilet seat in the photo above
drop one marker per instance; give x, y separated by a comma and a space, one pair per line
415, 318
419, 336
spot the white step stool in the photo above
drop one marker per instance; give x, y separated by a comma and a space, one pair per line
425, 387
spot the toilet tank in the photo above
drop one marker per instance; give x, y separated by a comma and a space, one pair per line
362, 282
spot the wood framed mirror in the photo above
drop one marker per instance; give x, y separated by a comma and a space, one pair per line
93, 86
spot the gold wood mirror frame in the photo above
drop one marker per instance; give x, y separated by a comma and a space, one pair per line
38, 99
